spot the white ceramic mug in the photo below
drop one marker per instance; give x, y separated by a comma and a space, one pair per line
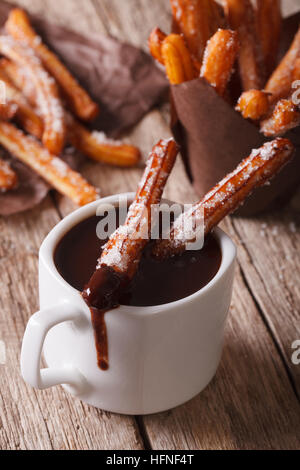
159, 357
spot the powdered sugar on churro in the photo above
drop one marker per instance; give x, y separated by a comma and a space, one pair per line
219, 57
151, 175
51, 168
244, 172
102, 139
37, 41
19, 27
59, 166
44, 85
231, 192
124, 246
177, 10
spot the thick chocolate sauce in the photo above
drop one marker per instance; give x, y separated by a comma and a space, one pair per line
155, 283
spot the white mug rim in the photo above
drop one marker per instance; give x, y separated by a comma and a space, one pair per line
49, 245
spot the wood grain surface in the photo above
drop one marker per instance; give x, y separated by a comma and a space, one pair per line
253, 402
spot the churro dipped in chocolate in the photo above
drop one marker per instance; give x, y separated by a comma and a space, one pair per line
120, 256
227, 196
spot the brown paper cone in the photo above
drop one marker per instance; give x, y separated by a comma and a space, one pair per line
214, 138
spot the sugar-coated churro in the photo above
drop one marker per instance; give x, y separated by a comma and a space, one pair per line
284, 117
18, 26
54, 170
254, 104
219, 57
197, 20
177, 60
280, 82
227, 196
241, 18
25, 114
20, 80
120, 256
97, 146
47, 93
8, 110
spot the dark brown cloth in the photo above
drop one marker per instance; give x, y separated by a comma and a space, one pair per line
215, 138
123, 79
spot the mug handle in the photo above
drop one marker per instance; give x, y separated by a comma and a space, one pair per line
36, 331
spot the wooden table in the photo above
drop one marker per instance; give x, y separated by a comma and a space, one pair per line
253, 402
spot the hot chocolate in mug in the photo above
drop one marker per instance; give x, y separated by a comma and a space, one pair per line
159, 356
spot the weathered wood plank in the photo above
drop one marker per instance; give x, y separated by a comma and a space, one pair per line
289, 7
134, 20
270, 259
74, 14
249, 405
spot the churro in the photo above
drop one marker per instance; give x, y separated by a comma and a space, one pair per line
25, 115
219, 57
285, 116
253, 104
269, 22
47, 92
280, 82
241, 18
227, 196
177, 60
197, 20
19, 27
155, 42
20, 80
97, 146
51, 168
120, 256
296, 71
8, 111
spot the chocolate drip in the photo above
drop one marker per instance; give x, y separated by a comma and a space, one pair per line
103, 290
101, 295
99, 325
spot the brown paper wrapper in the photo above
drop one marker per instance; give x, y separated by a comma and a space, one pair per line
214, 138
123, 79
